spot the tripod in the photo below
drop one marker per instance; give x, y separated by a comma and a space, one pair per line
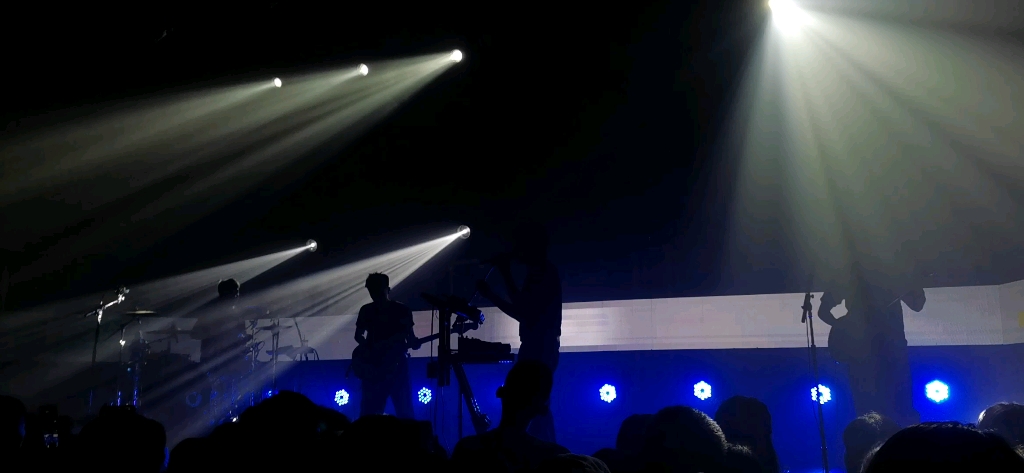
808, 318
448, 362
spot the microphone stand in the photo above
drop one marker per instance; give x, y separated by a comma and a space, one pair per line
808, 318
118, 298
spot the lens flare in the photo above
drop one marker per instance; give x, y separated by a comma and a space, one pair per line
277, 82
456, 56
786, 15
364, 69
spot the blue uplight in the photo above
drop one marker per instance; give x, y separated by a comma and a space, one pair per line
826, 394
937, 391
425, 395
702, 390
607, 393
341, 397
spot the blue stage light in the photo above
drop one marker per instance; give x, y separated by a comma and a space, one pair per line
702, 390
341, 397
937, 391
826, 394
425, 395
607, 393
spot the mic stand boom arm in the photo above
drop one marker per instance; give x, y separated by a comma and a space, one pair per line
118, 298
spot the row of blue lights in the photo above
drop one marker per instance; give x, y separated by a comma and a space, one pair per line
936, 391
425, 395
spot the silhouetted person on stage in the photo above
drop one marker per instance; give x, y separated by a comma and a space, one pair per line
221, 332
384, 333
871, 341
537, 307
509, 448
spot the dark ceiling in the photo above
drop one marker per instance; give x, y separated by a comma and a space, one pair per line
603, 124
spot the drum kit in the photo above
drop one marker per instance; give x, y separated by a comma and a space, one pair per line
221, 392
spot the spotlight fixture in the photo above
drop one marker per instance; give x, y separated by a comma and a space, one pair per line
825, 394
277, 82
456, 56
341, 397
463, 232
425, 395
607, 393
937, 391
311, 245
363, 69
702, 391
787, 15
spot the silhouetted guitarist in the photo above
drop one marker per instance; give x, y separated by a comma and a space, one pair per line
537, 306
384, 333
871, 341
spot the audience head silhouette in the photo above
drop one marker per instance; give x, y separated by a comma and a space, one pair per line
944, 446
631, 433
746, 421
228, 289
740, 459
12, 423
684, 440
379, 286
525, 394
121, 434
1005, 419
862, 435
571, 463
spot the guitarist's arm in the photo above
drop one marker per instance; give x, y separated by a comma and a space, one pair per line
409, 339
915, 299
360, 328
828, 302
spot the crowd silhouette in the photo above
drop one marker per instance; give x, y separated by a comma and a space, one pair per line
289, 431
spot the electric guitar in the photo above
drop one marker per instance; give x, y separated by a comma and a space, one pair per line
380, 360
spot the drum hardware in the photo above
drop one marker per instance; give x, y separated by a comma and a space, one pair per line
136, 357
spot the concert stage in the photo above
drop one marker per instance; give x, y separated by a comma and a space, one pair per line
653, 352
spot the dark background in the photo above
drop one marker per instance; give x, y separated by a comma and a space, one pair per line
605, 125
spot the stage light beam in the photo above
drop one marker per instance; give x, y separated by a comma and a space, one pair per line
364, 69
456, 56
277, 82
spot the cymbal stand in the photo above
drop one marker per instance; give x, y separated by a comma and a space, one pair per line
98, 313
254, 350
275, 341
128, 367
